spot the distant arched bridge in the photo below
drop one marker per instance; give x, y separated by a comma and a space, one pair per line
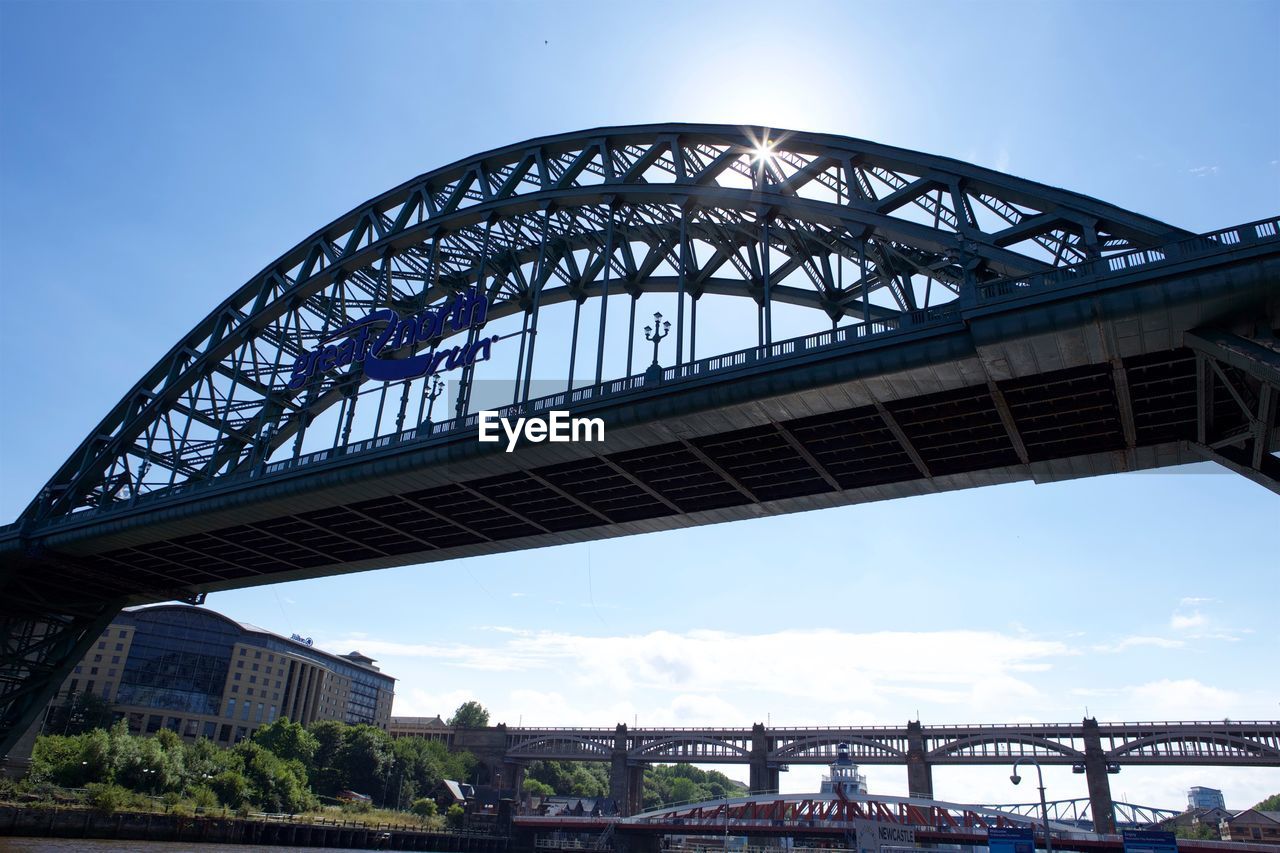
875, 322
1089, 747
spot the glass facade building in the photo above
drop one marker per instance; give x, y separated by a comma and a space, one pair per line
202, 674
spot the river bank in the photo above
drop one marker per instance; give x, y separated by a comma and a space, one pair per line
17, 821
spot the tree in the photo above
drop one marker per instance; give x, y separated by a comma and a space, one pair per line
326, 777
288, 740
534, 788
365, 761
455, 816
470, 715
424, 807
275, 784
1270, 804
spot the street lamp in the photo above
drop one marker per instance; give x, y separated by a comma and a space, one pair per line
1044, 808
655, 333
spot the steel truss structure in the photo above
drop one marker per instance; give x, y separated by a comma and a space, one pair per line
685, 209
1180, 743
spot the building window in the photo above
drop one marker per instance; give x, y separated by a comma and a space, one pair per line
249, 692
210, 729
244, 712
272, 717
106, 692
258, 655
102, 645
111, 672
231, 708
235, 688
78, 669
253, 679
153, 724
242, 651
115, 658
239, 664
88, 688
224, 734
74, 683
122, 633
271, 658
255, 667
119, 647
97, 658
93, 671
241, 732
236, 677
259, 717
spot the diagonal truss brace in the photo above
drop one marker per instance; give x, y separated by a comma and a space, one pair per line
1249, 373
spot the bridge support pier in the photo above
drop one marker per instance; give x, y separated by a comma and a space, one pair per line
764, 779
1095, 774
919, 771
626, 781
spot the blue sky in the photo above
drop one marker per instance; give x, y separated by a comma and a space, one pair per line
155, 156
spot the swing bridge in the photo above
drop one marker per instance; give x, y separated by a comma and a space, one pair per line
848, 322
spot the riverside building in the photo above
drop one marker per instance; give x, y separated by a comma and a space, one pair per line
202, 674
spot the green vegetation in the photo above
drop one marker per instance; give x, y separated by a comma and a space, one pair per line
470, 715
1270, 804
664, 784
569, 778
1201, 832
667, 784
284, 767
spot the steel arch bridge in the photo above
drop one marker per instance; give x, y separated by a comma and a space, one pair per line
959, 326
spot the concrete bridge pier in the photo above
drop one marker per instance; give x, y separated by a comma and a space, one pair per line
919, 771
1095, 774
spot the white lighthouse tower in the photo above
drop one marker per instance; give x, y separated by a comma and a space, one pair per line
844, 775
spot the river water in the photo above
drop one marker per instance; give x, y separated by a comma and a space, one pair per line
97, 846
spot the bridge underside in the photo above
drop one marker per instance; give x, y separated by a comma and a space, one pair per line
821, 448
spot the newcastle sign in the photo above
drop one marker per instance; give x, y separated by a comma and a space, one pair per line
376, 340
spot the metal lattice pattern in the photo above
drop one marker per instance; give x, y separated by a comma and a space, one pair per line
1222, 742
769, 216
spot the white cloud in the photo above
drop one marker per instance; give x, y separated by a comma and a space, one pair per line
1191, 601
1204, 171
952, 667
1185, 622
1186, 699
1132, 642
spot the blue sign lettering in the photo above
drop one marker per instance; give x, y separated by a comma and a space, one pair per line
374, 340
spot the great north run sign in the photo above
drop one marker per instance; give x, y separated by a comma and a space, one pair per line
374, 341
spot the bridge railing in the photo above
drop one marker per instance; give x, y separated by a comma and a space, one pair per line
1216, 241
1201, 244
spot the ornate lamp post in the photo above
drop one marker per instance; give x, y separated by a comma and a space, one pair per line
437, 386
657, 332
1044, 808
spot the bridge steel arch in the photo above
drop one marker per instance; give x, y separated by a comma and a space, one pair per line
874, 240
488, 219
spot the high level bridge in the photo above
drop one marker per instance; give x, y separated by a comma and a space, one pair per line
849, 322
1092, 748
